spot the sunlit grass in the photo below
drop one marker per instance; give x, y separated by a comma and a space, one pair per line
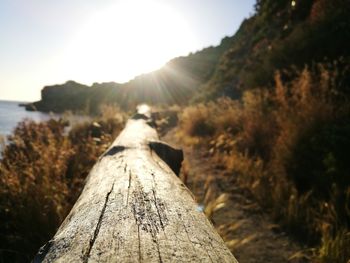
42, 172
286, 145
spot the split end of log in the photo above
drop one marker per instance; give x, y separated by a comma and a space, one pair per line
171, 156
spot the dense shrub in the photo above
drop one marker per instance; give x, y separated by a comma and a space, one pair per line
41, 175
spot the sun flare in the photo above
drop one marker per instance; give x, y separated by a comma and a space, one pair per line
127, 39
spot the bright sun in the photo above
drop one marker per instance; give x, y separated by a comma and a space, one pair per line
127, 39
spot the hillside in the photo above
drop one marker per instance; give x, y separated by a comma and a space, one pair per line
281, 35
175, 83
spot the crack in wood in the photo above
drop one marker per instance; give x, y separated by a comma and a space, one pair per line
129, 185
150, 219
159, 255
139, 240
158, 205
211, 260
97, 229
188, 236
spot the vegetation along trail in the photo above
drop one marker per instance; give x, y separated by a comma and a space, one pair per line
247, 230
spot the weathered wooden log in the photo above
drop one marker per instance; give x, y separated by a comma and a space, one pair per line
135, 209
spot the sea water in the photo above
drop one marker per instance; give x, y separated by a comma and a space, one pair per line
11, 114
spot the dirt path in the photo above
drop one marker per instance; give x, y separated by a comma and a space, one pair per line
248, 232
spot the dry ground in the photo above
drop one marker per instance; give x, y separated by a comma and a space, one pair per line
248, 231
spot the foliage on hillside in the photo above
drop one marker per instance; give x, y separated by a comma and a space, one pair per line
42, 172
288, 145
282, 34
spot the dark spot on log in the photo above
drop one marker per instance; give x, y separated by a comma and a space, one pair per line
114, 150
171, 156
152, 123
139, 116
39, 257
149, 120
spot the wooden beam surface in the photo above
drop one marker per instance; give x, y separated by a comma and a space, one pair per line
135, 209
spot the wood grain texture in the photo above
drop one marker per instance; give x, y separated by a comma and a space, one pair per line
135, 209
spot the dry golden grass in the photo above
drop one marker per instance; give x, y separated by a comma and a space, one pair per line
286, 145
41, 175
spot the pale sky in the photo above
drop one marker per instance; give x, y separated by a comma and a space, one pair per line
45, 42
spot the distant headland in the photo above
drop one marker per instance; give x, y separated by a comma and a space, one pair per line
175, 83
